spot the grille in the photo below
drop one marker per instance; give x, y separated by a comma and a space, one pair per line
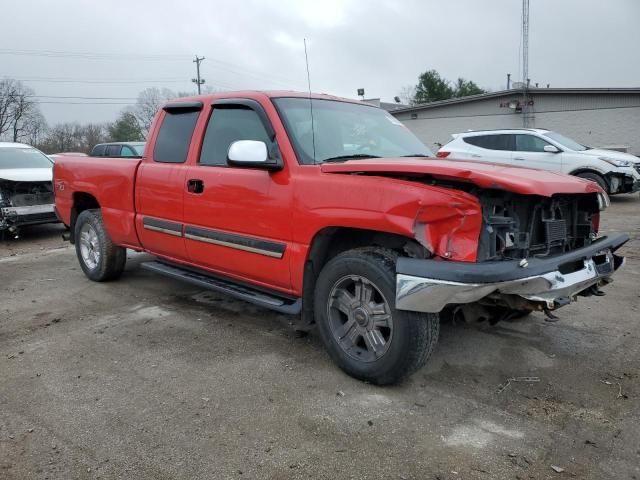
556, 230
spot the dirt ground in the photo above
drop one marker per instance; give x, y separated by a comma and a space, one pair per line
148, 378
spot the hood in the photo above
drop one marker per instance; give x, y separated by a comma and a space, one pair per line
26, 174
601, 152
520, 180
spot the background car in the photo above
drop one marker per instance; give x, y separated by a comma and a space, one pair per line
615, 172
118, 149
26, 191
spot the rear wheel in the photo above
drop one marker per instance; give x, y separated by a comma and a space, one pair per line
594, 177
359, 324
99, 258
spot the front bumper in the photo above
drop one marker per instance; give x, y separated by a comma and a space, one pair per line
431, 285
29, 215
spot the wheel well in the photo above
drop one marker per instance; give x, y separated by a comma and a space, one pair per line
594, 172
332, 241
81, 201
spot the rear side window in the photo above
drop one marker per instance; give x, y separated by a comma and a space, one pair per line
113, 150
174, 137
491, 142
530, 143
126, 152
228, 125
98, 151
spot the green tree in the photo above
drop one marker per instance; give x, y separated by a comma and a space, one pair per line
126, 129
432, 87
464, 88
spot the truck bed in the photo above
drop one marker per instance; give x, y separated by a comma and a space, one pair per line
111, 180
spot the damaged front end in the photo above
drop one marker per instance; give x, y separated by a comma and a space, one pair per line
532, 253
25, 203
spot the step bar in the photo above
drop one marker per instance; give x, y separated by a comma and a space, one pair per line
273, 301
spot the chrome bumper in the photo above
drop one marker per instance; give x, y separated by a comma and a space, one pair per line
541, 280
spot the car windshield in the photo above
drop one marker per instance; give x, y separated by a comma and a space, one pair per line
565, 142
340, 131
138, 147
23, 158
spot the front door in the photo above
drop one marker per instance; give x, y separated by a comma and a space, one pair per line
529, 152
238, 220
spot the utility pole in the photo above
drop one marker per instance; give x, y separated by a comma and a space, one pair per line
198, 81
526, 116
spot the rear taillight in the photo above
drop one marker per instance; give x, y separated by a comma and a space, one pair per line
442, 154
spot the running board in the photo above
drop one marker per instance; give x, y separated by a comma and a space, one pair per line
241, 291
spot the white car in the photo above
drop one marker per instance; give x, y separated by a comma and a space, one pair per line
26, 191
615, 172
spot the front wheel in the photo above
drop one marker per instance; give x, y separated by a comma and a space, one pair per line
359, 325
594, 177
99, 258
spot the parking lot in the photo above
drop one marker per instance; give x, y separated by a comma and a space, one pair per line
150, 378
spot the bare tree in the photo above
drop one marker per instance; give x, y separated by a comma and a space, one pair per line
408, 95
20, 114
8, 91
148, 104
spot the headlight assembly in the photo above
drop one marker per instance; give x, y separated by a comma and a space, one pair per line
615, 162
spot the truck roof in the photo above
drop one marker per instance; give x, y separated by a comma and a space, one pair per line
268, 93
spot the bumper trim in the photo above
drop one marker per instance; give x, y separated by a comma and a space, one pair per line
28, 210
542, 281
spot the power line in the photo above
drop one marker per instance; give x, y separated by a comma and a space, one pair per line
81, 98
92, 55
96, 81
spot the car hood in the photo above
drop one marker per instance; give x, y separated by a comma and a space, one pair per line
26, 174
525, 181
600, 152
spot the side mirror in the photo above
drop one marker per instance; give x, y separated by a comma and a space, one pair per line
551, 149
251, 154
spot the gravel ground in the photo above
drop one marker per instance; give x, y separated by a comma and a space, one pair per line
148, 378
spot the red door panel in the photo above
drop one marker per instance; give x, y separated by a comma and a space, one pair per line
159, 194
240, 224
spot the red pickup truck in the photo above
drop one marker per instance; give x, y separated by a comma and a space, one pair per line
330, 209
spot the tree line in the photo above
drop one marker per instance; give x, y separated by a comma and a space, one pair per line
21, 120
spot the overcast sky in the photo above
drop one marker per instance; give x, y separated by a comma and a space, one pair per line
378, 45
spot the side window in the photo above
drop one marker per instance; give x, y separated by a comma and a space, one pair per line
229, 124
174, 137
126, 152
530, 143
98, 151
491, 142
113, 150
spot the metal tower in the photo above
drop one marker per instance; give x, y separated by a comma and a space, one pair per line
527, 114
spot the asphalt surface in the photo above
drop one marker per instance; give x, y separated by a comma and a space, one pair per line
148, 378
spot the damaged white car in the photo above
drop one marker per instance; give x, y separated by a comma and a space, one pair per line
26, 191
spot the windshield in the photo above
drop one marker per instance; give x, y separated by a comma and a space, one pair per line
344, 130
564, 141
23, 158
138, 147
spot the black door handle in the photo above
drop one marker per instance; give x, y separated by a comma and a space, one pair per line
195, 185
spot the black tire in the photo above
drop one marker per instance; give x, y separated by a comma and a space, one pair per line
410, 338
108, 260
594, 177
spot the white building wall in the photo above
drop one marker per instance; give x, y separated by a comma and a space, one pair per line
593, 119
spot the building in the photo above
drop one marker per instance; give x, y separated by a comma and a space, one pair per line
388, 106
598, 117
